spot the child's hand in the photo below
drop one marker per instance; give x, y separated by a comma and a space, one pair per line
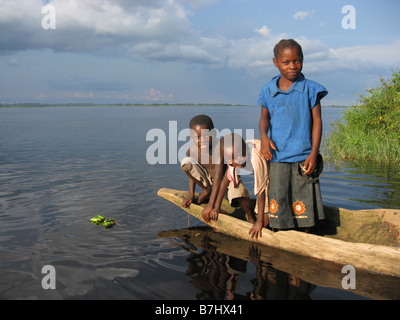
266, 145
214, 214
310, 164
255, 230
255, 256
206, 213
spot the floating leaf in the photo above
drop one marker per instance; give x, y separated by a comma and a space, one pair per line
109, 223
97, 219
101, 221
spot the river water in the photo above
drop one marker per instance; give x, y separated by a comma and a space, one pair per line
61, 166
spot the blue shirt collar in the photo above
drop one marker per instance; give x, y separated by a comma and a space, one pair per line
298, 85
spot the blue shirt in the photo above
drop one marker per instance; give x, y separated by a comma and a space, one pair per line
291, 117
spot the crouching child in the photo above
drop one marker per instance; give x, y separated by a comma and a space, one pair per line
241, 155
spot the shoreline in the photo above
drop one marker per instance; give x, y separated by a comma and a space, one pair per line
50, 105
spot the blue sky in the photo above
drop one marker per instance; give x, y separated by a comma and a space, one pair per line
209, 51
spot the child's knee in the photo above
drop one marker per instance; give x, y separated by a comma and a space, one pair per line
187, 164
187, 168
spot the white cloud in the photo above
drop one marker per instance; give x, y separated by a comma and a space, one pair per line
85, 25
368, 54
251, 54
176, 51
156, 95
84, 95
255, 56
264, 31
161, 30
359, 59
301, 15
198, 3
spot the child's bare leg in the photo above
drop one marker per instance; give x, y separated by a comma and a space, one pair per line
203, 197
205, 194
246, 206
206, 191
266, 220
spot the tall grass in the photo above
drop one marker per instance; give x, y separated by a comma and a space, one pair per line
369, 131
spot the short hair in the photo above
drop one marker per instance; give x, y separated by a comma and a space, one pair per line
201, 119
234, 142
287, 43
233, 139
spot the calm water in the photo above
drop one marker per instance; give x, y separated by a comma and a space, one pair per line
61, 166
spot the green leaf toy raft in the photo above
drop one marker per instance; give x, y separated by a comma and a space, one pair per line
101, 221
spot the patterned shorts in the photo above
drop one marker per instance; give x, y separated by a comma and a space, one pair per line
293, 201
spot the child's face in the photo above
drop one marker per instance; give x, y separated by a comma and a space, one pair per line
201, 135
289, 63
235, 157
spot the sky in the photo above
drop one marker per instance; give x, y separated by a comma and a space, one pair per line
189, 51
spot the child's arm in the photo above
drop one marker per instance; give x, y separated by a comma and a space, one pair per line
311, 160
214, 193
221, 193
266, 142
218, 176
255, 230
192, 184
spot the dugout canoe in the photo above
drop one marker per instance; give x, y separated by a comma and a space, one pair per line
366, 239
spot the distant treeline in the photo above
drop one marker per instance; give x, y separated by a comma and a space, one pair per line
129, 105
113, 104
46, 104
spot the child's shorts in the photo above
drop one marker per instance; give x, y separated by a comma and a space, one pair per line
294, 202
200, 173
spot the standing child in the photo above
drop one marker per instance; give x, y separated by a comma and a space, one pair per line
291, 111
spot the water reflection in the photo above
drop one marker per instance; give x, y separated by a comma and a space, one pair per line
216, 276
225, 268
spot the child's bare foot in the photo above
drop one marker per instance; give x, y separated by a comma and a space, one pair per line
186, 202
203, 197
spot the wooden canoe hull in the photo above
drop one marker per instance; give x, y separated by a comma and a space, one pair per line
363, 256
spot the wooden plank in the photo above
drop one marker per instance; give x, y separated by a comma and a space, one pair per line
376, 258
